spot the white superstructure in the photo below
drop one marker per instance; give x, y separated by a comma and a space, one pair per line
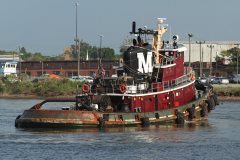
8, 68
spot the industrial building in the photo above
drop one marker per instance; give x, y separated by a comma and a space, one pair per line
67, 68
209, 50
217, 48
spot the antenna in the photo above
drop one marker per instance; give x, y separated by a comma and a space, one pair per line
160, 22
170, 34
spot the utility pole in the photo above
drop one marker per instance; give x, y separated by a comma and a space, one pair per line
211, 47
100, 52
100, 68
216, 63
201, 58
190, 35
77, 41
100, 49
42, 67
20, 65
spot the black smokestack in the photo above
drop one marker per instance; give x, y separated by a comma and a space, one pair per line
133, 27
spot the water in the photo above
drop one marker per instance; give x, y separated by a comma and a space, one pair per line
214, 139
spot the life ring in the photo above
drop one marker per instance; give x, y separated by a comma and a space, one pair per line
123, 88
85, 88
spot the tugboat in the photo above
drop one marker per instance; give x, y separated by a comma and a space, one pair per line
152, 86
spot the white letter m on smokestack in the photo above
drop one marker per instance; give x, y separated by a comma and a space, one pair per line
145, 66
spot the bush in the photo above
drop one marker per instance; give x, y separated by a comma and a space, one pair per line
19, 87
2, 87
53, 87
227, 90
46, 88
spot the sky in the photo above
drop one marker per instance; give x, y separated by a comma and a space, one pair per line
48, 26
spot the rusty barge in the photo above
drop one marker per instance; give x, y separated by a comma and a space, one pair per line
152, 86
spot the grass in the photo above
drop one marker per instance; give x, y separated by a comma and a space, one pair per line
227, 90
46, 88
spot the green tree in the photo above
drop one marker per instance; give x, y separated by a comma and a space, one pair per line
23, 50
38, 57
107, 53
7, 52
233, 54
26, 56
93, 52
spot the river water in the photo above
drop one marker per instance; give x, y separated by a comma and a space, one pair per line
213, 139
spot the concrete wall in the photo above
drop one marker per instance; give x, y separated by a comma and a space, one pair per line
219, 46
5, 58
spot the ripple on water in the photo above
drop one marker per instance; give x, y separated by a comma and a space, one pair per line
214, 139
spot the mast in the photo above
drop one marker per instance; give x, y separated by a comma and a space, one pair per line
157, 39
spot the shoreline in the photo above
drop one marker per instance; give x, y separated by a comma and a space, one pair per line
220, 98
229, 98
21, 97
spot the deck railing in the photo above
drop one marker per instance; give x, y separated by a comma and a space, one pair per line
145, 87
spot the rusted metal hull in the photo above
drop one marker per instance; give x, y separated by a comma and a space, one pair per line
57, 118
41, 118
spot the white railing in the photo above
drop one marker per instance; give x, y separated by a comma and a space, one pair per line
145, 87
